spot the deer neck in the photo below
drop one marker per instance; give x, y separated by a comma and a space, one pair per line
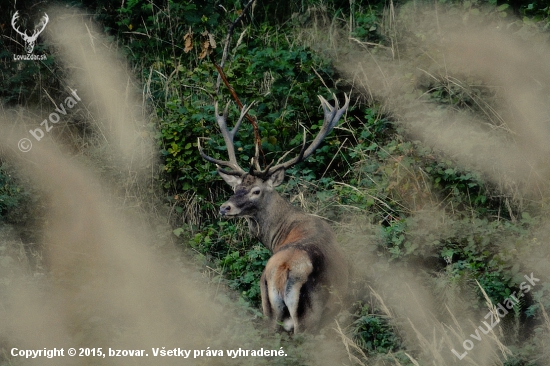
272, 224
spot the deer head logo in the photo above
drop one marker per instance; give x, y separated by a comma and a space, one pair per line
30, 40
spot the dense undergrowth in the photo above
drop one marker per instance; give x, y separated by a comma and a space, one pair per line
419, 209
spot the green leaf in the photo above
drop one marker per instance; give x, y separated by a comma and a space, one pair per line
503, 7
177, 232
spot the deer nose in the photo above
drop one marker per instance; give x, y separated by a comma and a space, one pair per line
225, 209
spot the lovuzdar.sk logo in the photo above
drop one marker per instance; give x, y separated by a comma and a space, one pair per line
30, 40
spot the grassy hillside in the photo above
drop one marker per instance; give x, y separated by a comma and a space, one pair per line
435, 180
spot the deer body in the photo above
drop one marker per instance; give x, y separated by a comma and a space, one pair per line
304, 281
306, 278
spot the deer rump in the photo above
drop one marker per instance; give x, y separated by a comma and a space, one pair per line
296, 288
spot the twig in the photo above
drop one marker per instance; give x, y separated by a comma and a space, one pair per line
228, 40
222, 75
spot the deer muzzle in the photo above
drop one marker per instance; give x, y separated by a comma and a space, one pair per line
227, 209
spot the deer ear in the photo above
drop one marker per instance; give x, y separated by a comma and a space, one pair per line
276, 178
232, 180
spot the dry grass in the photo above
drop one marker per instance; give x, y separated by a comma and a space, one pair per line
112, 287
112, 281
113, 277
501, 133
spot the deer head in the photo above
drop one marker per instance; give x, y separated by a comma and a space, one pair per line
254, 188
30, 40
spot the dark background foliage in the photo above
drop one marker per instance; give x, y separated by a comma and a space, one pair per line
284, 78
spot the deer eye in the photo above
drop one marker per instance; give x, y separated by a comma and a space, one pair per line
256, 191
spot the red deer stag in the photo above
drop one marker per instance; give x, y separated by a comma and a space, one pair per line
306, 276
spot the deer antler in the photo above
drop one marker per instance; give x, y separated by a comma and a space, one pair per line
332, 116
228, 137
45, 19
16, 28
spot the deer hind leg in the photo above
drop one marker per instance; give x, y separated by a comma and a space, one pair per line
287, 280
281, 283
305, 303
273, 305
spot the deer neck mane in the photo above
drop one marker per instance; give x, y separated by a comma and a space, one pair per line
275, 219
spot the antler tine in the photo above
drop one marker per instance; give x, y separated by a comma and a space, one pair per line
44, 23
331, 117
16, 28
228, 137
255, 163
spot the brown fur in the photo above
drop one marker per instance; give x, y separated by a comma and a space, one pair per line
281, 276
293, 236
